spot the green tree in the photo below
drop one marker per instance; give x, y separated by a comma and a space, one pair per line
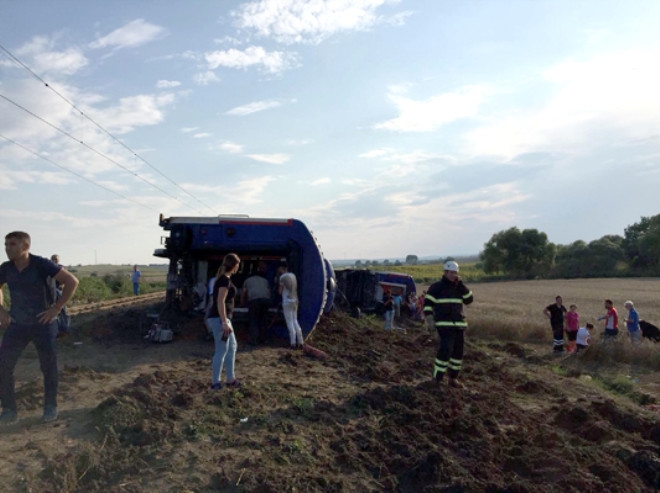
526, 253
641, 243
599, 258
411, 259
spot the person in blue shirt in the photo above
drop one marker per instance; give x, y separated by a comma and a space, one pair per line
135, 279
632, 323
32, 318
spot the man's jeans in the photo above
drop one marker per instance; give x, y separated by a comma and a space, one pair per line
16, 338
258, 314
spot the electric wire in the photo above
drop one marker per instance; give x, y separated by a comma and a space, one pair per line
100, 127
99, 153
75, 173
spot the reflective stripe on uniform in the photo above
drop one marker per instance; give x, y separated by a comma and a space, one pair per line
440, 367
443, 323
455, 364
443, 300
469, 293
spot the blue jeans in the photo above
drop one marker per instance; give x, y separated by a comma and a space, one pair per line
136, 288
225, 351
16, 338
389, 315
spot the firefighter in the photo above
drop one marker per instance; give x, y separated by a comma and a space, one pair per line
443, 309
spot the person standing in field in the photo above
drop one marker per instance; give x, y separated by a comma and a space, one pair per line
583, 337
219, 323
443, 307
135, 279
611, 320
632, 323
32, 318
572, 326
288, 288
388, 307
557, 315
397, 299
256, 294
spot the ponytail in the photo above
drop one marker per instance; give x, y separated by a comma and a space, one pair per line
230, 261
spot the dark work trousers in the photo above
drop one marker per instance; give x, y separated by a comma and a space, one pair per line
558, 339
258, 314
449, 357
16, 338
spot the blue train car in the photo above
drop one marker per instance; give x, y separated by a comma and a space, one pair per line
196, 246
363, 288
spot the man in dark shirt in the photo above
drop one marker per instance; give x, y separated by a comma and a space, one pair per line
557, 315
32, 318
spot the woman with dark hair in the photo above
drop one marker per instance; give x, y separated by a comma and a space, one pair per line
219, 323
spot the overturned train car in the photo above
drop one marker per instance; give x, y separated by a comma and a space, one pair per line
196, 246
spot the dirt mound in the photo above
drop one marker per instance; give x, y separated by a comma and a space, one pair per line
368, 418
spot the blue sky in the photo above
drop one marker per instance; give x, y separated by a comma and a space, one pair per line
389, 127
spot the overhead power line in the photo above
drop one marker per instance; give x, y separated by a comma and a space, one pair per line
100, 127
68, 170
87, 146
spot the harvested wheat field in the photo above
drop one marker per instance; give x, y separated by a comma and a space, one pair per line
138, 417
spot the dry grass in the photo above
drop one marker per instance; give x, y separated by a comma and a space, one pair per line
513, 311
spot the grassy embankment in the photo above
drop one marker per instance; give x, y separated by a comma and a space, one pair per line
102, 282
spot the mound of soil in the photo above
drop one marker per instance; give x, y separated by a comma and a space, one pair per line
366, 418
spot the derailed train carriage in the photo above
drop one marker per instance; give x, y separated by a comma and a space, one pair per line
197, 245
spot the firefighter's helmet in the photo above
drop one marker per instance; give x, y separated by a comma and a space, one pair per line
451, 265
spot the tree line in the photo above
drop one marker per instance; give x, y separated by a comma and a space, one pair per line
528, 254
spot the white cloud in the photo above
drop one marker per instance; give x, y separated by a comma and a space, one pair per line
253, 108
270, 158
135, 111
228, 40
374, 153
12, 180
251, 191
244, 192
42, 58
166, 84
201, 135
615, 93
321, 181
205, 78
231, 147
187, 130
295, 21
427, 115
271, 62
135, 33
298, 142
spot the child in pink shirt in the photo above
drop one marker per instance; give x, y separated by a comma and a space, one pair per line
572, 326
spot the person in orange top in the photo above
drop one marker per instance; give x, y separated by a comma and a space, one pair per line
611, 320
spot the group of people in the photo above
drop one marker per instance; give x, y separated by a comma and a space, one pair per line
40, 288
256, 291
578, 338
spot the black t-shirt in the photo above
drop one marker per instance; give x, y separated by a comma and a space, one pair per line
29, 289
557, 314
223, 282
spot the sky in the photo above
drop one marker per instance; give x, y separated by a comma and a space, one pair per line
389, 127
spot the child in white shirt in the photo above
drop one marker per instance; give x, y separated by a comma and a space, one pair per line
583, 337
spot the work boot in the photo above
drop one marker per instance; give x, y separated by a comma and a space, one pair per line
50, 414
8, 416
454, 383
